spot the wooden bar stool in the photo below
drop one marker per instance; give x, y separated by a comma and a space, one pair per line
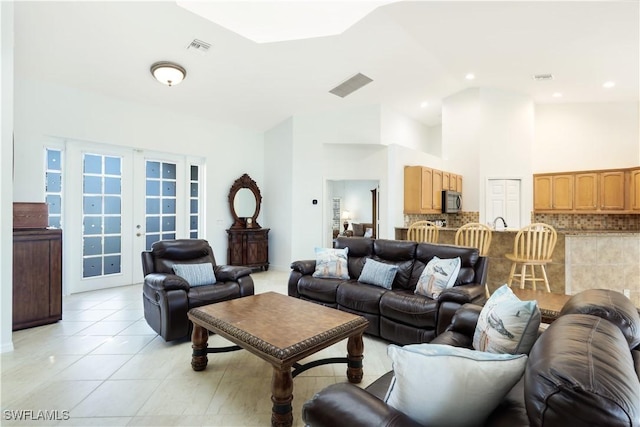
476, 235
423, 231
533, 246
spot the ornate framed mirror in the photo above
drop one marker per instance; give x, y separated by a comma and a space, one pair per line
244, 202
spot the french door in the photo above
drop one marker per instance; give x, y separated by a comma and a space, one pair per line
117, 202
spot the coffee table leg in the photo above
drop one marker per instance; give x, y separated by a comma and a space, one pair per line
355, 351
281, 396
199, 338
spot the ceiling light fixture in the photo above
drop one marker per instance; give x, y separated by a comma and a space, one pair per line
470, 76
168, 73
608, 85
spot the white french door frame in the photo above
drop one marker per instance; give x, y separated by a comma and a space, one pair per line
133, 211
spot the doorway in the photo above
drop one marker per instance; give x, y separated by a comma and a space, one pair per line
503, 200
351, 201
116, 202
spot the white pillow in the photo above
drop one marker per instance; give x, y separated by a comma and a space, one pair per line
438, 275
331, 263
378, 273
506, 324
441, 385
196, 274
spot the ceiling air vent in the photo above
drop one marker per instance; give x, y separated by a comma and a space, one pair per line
543, 77
351, 85
199, 46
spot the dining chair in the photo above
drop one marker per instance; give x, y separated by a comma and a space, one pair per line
476, 235
423, 231
533, 246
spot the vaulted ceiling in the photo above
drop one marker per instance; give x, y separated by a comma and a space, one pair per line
415, 52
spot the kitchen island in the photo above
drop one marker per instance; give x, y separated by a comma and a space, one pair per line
582, 259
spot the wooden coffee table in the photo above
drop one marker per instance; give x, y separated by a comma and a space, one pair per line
281, 330
550, 304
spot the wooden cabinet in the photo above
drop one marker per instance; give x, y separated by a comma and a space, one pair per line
248, 247
423, 189
37, 277
553, 192
602, 191
634, 193
612, 186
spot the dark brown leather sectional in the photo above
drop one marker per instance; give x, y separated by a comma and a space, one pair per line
584, 370
397, 315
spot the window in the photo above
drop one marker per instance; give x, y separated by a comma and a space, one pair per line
53, 186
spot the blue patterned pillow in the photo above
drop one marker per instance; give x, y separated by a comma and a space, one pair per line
506, 324
331, 263
378, 273
196, 274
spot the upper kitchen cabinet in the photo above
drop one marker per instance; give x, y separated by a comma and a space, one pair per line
634, 193
552, 192
423, 189
603, 191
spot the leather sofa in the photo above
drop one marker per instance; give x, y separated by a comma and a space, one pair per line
398, 315
583, 370
167, 297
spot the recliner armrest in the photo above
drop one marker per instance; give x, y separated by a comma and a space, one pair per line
304, 266
231, 272
167, 282
344, 404
463, 294
465, 319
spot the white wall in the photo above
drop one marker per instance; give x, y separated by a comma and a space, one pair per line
6, 170
44, 110
278, 188
586, 136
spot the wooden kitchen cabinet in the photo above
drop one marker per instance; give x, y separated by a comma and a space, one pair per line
437, 191
553, 192
423, 188
612, 188
634, 193
37, 277
586, 197
248, 247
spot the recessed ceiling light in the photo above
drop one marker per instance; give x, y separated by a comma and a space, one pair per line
608, 85
557, 95
470, 76
425, 104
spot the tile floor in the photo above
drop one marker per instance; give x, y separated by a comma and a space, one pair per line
103, 366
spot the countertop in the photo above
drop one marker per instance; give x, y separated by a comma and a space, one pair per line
565, 231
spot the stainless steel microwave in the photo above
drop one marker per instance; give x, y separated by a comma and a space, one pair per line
451, 201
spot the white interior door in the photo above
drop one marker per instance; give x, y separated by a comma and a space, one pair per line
503, 199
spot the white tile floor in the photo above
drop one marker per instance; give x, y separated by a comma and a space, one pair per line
103, 366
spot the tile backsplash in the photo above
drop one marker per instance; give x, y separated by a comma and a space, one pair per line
453, 220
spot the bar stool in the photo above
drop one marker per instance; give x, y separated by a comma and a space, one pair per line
423, 231
476, 235
533, 246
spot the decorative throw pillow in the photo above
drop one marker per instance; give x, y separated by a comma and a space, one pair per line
378, 273
431, 380
438, 275
506, 324
331, 263
368, 232
196, 274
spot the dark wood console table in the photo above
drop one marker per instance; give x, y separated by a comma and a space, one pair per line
37, 277
249, 247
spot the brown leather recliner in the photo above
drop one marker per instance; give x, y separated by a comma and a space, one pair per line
167, 297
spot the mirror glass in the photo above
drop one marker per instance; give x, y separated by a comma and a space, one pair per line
244, 203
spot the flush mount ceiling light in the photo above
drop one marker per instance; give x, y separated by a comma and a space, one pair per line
168, 73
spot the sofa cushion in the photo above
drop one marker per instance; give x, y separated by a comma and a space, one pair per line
400, 253
378, 273
441, 385
409, 308
203, 295
610, 305
360, 297
582, 361
331, 263
196, 274
438, 275
322, 290
359, 251
506, 324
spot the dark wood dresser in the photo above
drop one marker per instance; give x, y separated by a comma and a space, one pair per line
37, 277
249, 247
